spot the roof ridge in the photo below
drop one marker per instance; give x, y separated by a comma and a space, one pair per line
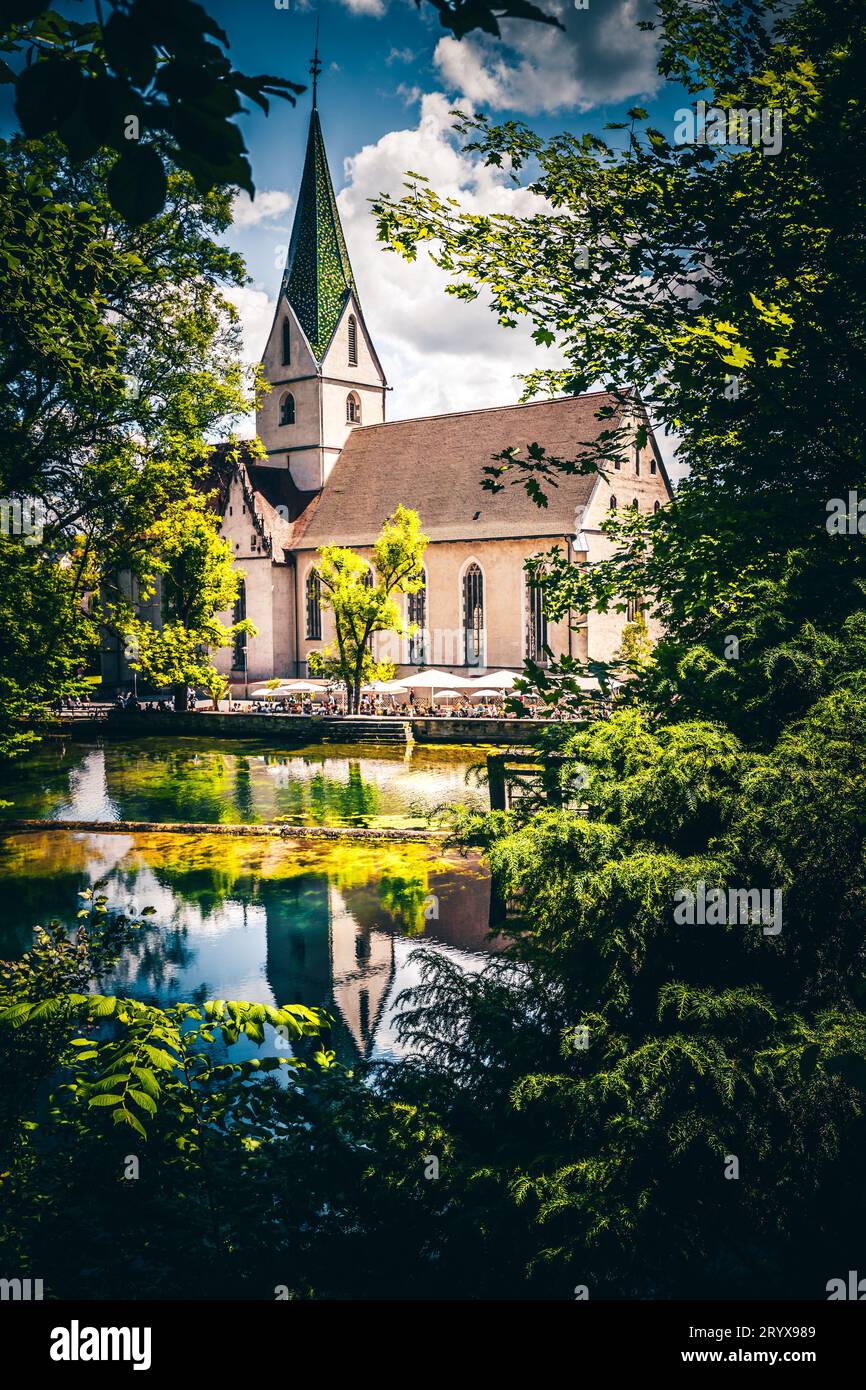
480, 410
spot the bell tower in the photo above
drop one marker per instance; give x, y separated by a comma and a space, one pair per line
325, 376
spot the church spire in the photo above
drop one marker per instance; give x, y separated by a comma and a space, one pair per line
315, 65
318, 278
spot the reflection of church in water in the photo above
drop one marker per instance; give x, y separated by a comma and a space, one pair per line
338, 948
320, 954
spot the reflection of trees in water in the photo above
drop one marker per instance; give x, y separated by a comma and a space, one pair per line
244, 798
404, 899
215, 781
169, 784
156, 960
324, 801
38, 785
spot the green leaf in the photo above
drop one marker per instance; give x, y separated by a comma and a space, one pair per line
137, 184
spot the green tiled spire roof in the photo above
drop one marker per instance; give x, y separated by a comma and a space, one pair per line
318, 277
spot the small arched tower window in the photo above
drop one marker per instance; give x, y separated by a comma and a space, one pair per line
287, 409
353, 341
657, 506
353, 408
314, 607
612, 503
637, 460
635, 504
287, 343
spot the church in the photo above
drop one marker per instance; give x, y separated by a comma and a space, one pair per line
334, 468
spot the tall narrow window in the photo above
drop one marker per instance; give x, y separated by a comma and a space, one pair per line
657, 506
367, 582
536, 624
417, 615
353, 341
637, 460
287, 343
287, 409
612, 503
353, 408
239, 652
652, 465
314, 607
473, 616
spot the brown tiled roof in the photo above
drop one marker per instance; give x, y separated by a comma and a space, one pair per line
434, 465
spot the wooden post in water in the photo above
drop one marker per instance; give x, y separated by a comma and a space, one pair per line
496, 781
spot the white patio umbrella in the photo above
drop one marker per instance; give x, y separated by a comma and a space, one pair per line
433, 680
268, 693
450, 694
312, 687
487, 694
384, 688
497, 680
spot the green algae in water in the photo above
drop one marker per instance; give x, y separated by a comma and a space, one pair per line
225, 781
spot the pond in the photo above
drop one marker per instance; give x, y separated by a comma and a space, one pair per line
259, 918
221, 781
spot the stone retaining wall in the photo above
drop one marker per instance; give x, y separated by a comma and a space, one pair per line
306, 729
274, 828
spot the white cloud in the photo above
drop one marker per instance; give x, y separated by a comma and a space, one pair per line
373, 7
601, 57
400, 55
439, 354
256, 312
269, 205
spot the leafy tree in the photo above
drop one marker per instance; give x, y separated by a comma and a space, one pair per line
152, 80
363, 602
118, 358
635, 649
216, 686
46, 637
197, 580
725, 284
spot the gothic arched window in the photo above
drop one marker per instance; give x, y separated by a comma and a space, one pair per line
368, 582
657, 506
536, 624
612, 503
239, 613
353, 341
287, 409
473, 615
287, 343
417, 614
353, 408
314, 606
